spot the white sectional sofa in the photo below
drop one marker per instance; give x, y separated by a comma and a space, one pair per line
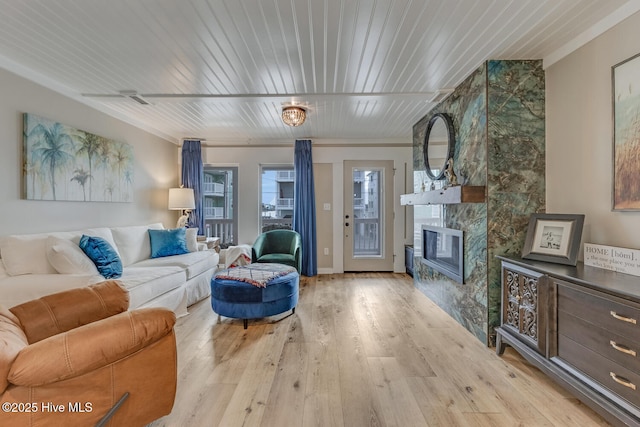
34, 265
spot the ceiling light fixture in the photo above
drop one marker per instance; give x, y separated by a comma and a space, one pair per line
293, 116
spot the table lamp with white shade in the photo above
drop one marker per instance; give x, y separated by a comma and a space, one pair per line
182, 199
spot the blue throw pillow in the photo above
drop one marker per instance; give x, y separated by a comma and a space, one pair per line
103, 256
168, 242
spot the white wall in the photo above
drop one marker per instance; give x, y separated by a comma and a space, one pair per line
155, 159
579, 136
334, 152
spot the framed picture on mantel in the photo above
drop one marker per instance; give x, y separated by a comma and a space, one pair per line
626, 134
553, 238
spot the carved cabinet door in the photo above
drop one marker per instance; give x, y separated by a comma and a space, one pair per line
524, 305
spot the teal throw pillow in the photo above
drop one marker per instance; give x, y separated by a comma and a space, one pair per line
103, 255
168, 242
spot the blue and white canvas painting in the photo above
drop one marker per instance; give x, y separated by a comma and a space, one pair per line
64, 163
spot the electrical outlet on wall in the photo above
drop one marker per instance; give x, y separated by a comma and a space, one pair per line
326, 251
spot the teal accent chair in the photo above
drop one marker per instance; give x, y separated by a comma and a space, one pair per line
280, 247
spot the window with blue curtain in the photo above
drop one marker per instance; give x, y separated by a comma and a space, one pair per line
277, 186
193, 177
220, 202
304, 206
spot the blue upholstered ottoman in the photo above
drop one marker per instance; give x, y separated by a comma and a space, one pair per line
254, 291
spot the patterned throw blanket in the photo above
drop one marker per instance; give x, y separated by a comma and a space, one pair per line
257, 274
237, 256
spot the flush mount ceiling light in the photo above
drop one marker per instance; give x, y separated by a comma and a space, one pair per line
293, 116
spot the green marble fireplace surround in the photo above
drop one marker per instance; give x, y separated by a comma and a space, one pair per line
498, 114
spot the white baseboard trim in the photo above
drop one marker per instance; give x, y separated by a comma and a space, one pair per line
330, 271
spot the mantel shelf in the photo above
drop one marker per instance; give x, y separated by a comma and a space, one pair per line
446, 196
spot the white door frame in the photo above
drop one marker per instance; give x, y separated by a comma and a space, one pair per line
384, 261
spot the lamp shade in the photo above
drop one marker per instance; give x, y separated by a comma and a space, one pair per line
181, 198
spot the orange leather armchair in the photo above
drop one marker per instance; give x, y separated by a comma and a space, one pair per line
79, 358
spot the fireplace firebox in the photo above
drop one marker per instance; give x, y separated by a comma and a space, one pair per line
442, 250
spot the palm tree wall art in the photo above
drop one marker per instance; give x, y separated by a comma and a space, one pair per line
64, 163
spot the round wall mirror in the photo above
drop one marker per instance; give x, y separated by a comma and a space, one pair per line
439, 142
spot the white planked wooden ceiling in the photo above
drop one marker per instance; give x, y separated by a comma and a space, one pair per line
222, 69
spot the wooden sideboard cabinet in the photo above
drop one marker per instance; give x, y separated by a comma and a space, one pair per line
581, 326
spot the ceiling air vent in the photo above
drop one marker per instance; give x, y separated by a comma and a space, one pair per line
134, 95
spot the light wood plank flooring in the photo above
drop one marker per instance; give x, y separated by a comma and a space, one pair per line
360, 350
